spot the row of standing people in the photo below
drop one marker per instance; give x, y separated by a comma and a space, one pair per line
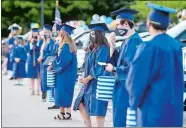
144, 81
149, 75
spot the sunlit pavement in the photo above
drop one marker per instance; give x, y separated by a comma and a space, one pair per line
20, 109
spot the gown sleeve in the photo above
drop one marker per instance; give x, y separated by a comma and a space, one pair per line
101, 55
64, 60
139, 75
130, 50
114, 58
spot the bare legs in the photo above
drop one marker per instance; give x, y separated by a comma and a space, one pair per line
38, 84
32, 86
84, 115
100, 121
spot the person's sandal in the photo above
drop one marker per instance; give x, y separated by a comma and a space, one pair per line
69, 116
32, 92
60, 116
38, 93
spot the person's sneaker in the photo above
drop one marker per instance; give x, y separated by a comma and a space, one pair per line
53, 107
32, 92
44, 100
17, 84
11, 78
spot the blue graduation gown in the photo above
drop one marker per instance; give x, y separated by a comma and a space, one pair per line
93, 106
33, 70
85, 92
120, 95
155, 83
20, 71
47, 51
10, 54
65, 66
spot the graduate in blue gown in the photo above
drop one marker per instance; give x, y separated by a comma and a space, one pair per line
45, 51
55, 32
20, 58
125, 27
32, 48
86, 101
155, 81
65, 66
14, 31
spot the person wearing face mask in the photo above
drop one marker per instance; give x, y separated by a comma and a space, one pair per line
45, 51
33, 50
56, 30
20, 58
125, 27
86, 101
14, 31
65, 66
155, 80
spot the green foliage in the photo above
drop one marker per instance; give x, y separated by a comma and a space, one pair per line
24, 12
141, 6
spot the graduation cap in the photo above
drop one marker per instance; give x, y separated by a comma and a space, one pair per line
20, 37
58, 25
14, 27
69, 29
125, 13
35, 30
99, 26
160, 15
48, 27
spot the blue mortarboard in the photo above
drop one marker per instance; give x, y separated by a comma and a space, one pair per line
125, 13
69, 29
35, 30
160, 14
99, 26
15, 28
20, 37
48, 27
58, 27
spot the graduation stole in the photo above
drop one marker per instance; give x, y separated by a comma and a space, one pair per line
42, 47
34, 55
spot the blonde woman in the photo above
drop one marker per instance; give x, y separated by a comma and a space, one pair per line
65, 66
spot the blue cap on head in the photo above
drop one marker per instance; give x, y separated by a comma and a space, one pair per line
47, 27
69, 29
20, 37
58, 27
160, 15
125, 13
99, 26
35, 30
15, 28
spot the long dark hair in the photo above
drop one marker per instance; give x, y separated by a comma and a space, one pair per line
98, 40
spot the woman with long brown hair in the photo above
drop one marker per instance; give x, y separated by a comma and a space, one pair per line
86, 101
65, 66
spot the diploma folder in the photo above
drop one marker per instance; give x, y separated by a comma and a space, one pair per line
49, 60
